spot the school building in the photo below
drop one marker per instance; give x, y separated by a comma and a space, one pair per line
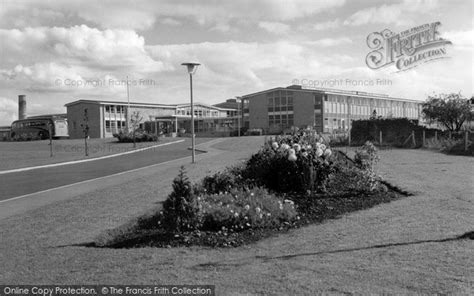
105, 118
327, 110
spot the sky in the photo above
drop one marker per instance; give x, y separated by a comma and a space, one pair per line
58, 51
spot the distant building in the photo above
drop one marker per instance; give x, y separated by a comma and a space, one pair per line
327, 110
108, 117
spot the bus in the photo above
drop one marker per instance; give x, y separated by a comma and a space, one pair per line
38, 128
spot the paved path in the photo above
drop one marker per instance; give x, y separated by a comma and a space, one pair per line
27, 182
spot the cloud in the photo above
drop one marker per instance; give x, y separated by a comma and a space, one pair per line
321, 26
398, 14
275, 27
460, 39
328, 42
142, 15
101, 49
8, 111
170, 21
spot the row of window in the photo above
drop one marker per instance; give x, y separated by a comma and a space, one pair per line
114, 125
114, 109
280, 93
280, 101
206, 113
29, 124
368, 101
337, 108
285, 120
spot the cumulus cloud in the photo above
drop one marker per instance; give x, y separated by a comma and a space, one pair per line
399, 13
103, 49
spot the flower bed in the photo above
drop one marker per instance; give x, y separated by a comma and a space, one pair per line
292, 181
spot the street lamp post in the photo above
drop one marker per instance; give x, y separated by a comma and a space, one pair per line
192, 67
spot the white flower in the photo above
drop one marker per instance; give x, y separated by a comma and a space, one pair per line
297, 147
285, 146
323, 147
327, 152
319, 152
275, 145
308, 147
305, 154
247, 207
258, 210
291, 151
292, 157
289, 201
236, 214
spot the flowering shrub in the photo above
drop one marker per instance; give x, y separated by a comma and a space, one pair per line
242, 209
297, 163
233, 209
366, 156
361, 178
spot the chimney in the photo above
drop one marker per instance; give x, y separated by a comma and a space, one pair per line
22, 107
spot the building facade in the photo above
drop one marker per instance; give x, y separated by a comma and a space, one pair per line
326, 110
106, 118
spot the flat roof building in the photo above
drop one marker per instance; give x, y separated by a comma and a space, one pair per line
108, 117
327, 110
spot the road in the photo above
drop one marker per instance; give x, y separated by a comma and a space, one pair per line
27, 182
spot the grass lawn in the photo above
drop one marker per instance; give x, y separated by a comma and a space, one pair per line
33, 153
43, 246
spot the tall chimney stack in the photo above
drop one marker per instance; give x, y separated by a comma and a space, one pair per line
22, 107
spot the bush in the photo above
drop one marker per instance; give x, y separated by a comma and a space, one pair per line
223, 181
458, 148
140, 136
298, 163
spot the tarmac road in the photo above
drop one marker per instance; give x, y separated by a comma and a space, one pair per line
21, 183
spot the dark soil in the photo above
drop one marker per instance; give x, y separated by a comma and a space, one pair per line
312, 211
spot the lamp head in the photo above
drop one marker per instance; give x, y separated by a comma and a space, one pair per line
192, 67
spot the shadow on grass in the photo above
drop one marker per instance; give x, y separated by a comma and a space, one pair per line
244, 261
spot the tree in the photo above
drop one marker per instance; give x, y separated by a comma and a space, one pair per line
449, 110
135, 121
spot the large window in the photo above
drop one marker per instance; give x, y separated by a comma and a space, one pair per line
280, 109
